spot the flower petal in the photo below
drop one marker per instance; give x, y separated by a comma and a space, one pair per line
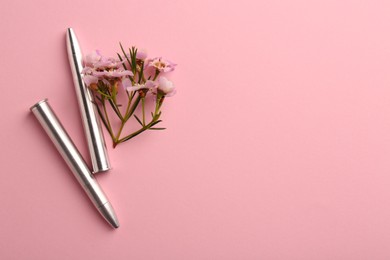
89, 79
166, 86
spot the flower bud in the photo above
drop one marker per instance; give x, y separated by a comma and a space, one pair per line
166, 87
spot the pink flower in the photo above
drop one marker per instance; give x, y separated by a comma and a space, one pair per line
118, 73
97, 61
89, 79
125, 83
92, 58
166, 87
107, 63
87, 71
102, 68
141, 54
149, 84
161, 64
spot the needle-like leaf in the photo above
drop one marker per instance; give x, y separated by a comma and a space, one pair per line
139, 121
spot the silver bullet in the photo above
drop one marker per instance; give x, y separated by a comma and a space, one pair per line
89, 115
54, 129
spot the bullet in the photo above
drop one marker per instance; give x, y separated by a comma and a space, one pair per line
65, 146
89, 115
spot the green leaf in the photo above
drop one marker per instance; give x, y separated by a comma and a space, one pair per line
124, 54
133, 60
104, 95
141, 73
139, 121
98, 98
155, 123
133, 107
113, 93
117, 112
120, 58
132, 135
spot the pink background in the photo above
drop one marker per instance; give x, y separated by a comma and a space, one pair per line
278, 141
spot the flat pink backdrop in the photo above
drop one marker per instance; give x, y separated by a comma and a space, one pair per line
278, 141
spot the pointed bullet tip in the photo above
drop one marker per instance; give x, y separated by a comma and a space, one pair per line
109, 214
114, 221
70, 32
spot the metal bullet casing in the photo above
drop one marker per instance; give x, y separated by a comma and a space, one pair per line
89, 115
54, 129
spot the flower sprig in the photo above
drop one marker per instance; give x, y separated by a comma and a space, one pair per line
135, 76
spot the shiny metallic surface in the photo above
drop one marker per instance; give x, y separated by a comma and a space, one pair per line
109, 214
74, 160
92, 126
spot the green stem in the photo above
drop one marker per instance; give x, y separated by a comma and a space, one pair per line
132, 135
128, 103
144, 128
129, 112
155, 120
155, 75
132, 109
116, 109
120, 131
141, 73
143, 110
159, 102
104, 120
107, 118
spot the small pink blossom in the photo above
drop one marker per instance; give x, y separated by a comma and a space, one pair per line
166, 87
87, 71
125, 83
141, 54
108, 63
92, 58
118, 73
149, 84
161, 64
89, 79
97, 61
102, 68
